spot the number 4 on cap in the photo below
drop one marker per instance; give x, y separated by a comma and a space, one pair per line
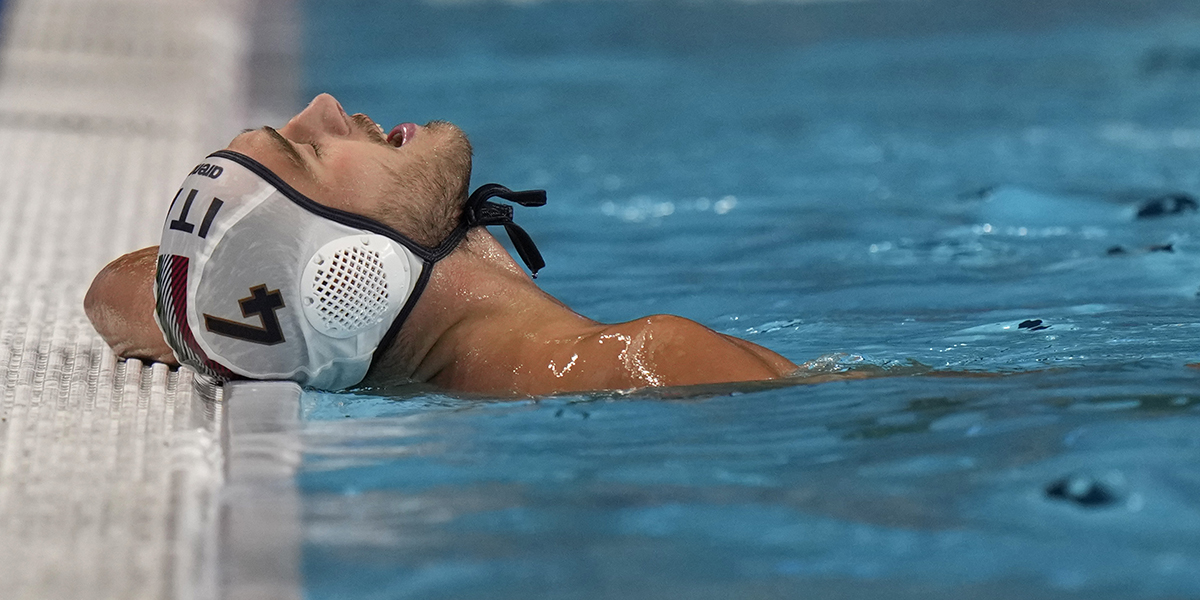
260, 302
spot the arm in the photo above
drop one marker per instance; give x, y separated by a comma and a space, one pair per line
120, 305
665, 350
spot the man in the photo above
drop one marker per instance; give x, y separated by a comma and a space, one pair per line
268, 218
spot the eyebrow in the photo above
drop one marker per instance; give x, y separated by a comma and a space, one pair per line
284, 145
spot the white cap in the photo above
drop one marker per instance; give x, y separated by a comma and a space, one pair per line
255, 280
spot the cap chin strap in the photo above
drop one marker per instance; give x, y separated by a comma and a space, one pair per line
478, 211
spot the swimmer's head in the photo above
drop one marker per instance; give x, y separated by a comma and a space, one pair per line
297, 254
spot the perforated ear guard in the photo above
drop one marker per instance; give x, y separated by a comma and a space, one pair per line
351, 284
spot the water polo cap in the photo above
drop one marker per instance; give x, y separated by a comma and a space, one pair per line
255, 280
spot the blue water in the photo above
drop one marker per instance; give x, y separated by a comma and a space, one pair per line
866, 185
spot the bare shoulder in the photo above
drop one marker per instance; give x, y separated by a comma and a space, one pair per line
120, 305
666, 350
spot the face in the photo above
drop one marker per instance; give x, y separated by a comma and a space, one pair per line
413, 179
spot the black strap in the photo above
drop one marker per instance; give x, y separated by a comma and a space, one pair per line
480, 212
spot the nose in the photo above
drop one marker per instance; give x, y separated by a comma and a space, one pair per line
323, 117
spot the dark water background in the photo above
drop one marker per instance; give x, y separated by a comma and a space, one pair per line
873, 182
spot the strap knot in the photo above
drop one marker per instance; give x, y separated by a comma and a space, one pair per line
480, 212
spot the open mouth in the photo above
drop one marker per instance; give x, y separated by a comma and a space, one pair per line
402, 134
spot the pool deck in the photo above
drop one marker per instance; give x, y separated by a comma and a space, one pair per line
113, 473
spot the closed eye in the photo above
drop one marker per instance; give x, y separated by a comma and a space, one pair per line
285, 145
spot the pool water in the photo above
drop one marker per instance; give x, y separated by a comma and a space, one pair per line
868, 185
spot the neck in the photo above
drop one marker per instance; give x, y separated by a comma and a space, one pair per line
480, 325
